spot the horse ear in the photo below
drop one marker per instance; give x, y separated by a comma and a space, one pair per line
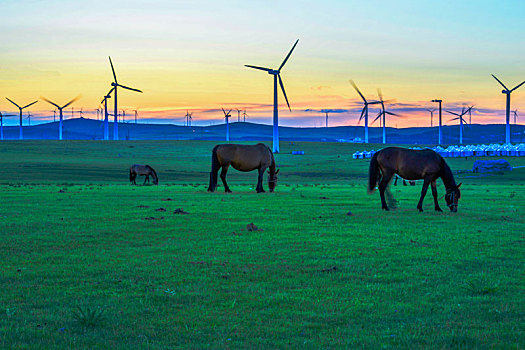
459, 185
277, 172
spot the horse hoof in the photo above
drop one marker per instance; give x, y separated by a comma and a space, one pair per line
228, 191
386, 209
420, 210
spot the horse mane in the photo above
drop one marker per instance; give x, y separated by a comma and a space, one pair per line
153, 171
272, 164
447, 176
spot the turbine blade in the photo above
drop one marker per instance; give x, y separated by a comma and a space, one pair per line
13, 102
223, 111
110, 91
357, 89
288, 56
128, 88
378, 116
362, 115
282, 88
32, 103
113, 69
53, 103
70, 102
394, 114
380, 95
500, 82
229, 111
256, 67
374, 103
452, 113
517, 86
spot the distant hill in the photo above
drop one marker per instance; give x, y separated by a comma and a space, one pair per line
89, 129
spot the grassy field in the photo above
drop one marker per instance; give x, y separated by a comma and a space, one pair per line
89, 261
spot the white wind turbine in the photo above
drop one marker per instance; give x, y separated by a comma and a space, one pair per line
507, 92
115, 84
189, 118
227, 116
276, 76
383, 113
106, 115
431, 110
21, 135
364, 112
461, 121
60, 122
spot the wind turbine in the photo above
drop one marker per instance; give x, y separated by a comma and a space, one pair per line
364, 112
238, 115
461, 121
325, 111
515, 115
470, 114
29, 118
81, 112
431, 110
21, 137
54, 115
383, 113
507, 119
2, 116
106, 123
244, 115
439, 129
276, 76
227, 117
60, 113
115, 84
136, 113
188, 118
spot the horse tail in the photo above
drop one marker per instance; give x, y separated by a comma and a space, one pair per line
131, 174
215, 165
373, 173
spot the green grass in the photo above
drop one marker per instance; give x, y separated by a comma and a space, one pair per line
76, 235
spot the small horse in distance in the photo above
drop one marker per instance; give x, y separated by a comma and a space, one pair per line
413, 165
144, 170
243, 158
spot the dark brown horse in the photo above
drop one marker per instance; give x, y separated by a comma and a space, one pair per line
243, 158
413, 165
144, 170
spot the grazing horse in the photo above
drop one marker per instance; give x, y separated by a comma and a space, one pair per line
413, 165
243, 158
144, 170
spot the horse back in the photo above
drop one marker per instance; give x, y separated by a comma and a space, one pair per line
244, 157
410, 164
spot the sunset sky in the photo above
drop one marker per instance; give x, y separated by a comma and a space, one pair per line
191, 55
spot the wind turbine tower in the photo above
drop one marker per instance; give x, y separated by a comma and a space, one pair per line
106, 115
439, 129
507, 92
244, 115
115, 85
60, 122
276, 76
227, 117
21, 136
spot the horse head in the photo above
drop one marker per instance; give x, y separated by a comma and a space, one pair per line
452, 198
272, 180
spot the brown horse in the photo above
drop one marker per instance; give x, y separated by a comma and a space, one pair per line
413, 165
144, 170
243, 158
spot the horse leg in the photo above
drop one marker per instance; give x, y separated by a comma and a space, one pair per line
260, 181
404, 182
423, 193
435, 195
223, 178
146, 178
382, 187
395, 181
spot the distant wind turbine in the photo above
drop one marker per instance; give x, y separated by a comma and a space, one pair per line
106, 122
383, 113
136, 113
188, 118
364, 112
431, 110
227, 116
461, 121
29, 118
244, 115
60, 126
325, 111
2, 116
115, 84
54, 115
515, 115
276, 76
507, 92
238, 115
470, 108
439, 129
21, 136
